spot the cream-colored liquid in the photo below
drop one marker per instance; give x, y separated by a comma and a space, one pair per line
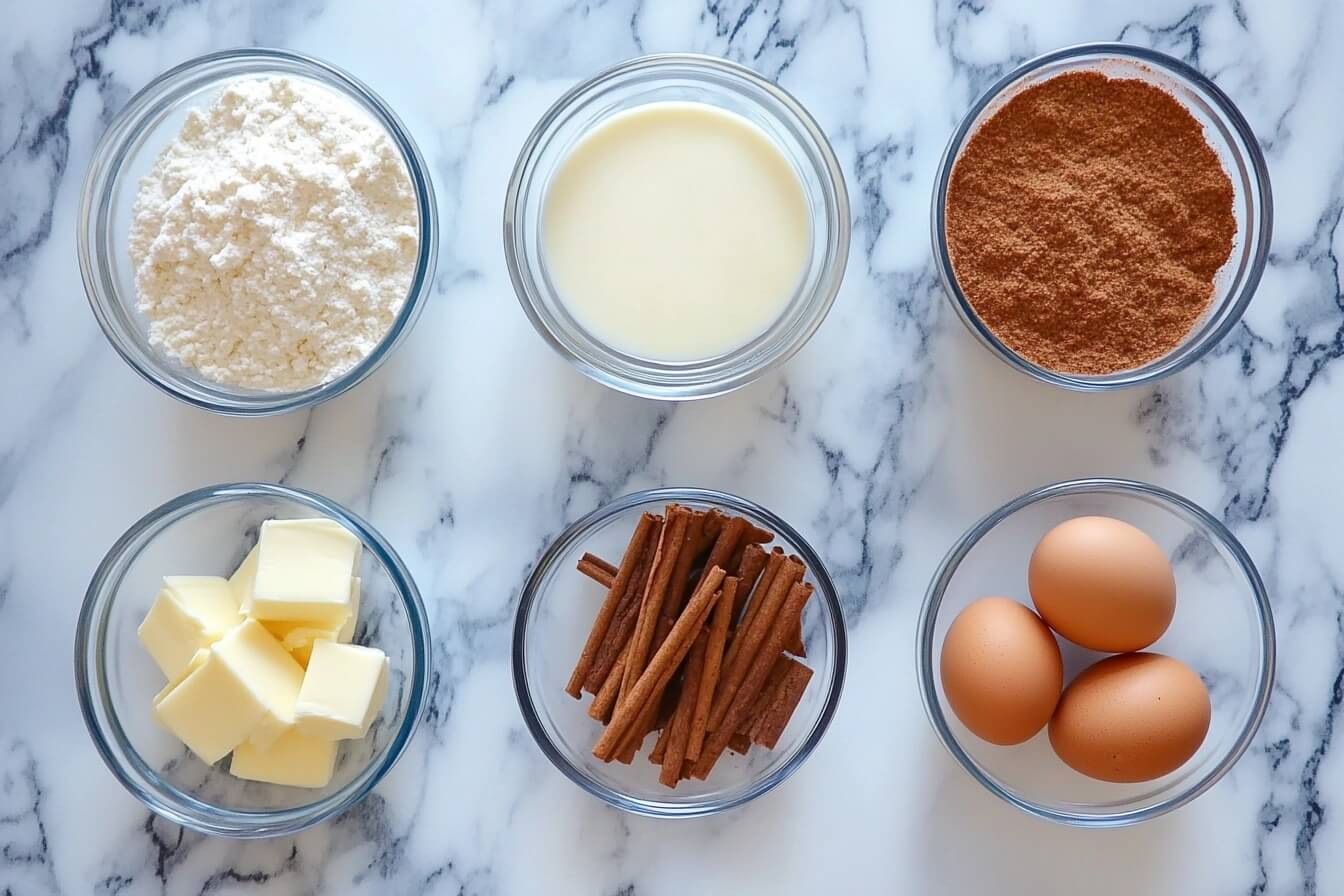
676, 231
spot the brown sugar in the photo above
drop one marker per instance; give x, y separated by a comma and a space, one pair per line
1087, 220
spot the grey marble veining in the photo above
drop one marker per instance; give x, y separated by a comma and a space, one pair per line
888, 435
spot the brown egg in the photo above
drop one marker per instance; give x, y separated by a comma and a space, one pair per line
1001, 670
1132, 717
1102, 584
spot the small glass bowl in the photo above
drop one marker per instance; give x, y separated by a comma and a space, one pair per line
677, 77
148, 123
1216, 583
207, 532
554, 616
1231, 138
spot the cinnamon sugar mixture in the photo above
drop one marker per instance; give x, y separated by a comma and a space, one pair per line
1086, 222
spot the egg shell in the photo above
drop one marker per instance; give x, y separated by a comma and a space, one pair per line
1132, 717
1102, 584
1001, 670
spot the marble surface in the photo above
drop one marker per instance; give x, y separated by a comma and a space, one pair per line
475, 444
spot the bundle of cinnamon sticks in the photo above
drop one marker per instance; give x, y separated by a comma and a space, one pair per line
697, 640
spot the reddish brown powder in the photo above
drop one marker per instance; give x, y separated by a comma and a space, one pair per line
1086, 221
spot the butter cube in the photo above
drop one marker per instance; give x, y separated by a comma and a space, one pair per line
189, 613
299, 642
295, 759
304, 568
342, 691
298, 637
196, 662
210, 711
267, 675
243, 580
245, 688
347, 632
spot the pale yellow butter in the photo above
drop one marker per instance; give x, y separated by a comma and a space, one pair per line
189, 613
295, 759
347, 632
211, 710
243, 580
304, 570
196, 662
299, 642
268, 674
342, 691
298, 637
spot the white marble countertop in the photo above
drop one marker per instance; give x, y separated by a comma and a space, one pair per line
475, 438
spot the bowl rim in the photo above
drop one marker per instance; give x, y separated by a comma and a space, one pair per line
104, 169
833, 266
92, 691
578, 530
924, 633
1259, 232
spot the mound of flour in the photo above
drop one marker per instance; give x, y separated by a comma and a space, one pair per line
274, 240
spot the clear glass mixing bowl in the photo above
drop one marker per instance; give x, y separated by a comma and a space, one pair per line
555, 614
682, 77
1216, 585
127, 151
1231, 138
207, 532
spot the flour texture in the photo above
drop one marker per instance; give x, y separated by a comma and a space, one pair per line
275, 239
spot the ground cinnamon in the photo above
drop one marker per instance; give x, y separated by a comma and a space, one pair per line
1086, 222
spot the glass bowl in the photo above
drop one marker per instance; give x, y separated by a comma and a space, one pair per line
207, 532
555, 614
1216, 583
677, 77
1231, 138
126, 153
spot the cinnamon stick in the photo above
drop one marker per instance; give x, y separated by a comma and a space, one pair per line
657, 715
643, 727
681, 719
693, 546
670, 543
738, 743
597, 569
756, 535
735, 561
725, 545
597, 575
777, 674
751, 603
593, 560
750, 638
615, 594
605, 699
660, 747
748, 572
714, 519
794, 643
663, 723
711, 662
660, 669
626, 614
798, 596
782, 700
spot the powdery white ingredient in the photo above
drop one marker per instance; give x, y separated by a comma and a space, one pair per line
274, 240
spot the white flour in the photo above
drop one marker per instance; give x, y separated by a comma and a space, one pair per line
274, 240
